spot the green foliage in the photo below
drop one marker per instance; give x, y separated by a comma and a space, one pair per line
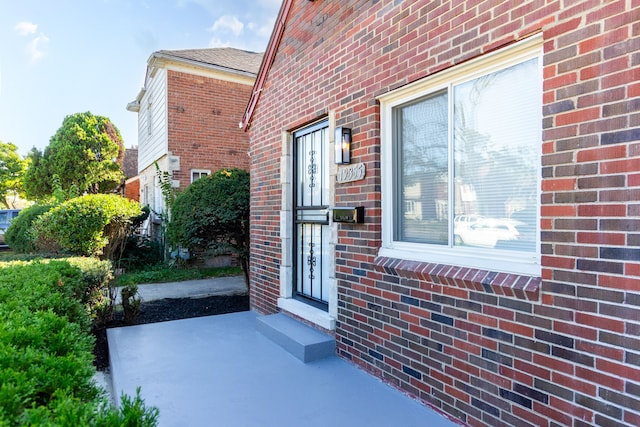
213, 214
12, 170
46, 348
97, 295
19, 236
130, 302
95, 224
82, 284
85, 155
134, 413
168, 192
61, 194
161, 273
169, 195
70, 411
141, 251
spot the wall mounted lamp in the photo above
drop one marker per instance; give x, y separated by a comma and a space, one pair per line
343, 146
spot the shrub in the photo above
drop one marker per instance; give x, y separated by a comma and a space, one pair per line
130, 303
82, 286
46, 349
213, 214
97, 295
19, 236
44, 336
91, 225
141, 252
70, 411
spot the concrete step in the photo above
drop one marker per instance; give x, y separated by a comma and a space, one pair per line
302, 341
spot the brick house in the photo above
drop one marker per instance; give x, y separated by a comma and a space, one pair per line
494, 149
188, 114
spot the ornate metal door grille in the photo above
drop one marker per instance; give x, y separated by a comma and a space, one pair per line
311, 216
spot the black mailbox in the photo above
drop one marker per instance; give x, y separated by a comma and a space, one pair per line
352, 215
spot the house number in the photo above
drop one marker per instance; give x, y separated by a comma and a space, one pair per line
351, 173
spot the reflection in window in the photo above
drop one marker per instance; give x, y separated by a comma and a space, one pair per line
422, 163
467, 162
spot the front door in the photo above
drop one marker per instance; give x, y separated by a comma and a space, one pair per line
311, 215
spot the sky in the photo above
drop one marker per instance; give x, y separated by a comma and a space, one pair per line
62, 57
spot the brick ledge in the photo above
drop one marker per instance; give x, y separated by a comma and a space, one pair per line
507, 284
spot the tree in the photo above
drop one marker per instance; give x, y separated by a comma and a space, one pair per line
85, 155
213, 214
12, 170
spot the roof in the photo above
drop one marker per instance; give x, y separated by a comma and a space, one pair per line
130, 162
227, 57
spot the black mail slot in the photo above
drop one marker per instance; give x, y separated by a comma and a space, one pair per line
353, 215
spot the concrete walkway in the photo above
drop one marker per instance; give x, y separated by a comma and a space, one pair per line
220, 371
232, 285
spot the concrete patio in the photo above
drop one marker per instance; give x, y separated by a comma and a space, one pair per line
220, 370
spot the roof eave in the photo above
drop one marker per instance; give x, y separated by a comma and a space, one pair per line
157, 57
134, 106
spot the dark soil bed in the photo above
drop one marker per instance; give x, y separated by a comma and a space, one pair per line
169, 309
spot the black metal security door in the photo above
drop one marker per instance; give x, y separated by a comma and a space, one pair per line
311, 214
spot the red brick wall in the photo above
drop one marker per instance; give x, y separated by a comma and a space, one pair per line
486, 348
132, 189
203, 116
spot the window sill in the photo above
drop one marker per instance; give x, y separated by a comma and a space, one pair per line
507, 284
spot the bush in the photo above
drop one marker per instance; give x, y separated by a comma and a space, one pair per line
213, 214
97, 296
46, 349
82, 286
91, 225
141, 252
19, 236
130, 303
70, 411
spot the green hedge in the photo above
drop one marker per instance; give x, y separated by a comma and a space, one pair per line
90, 225
20, 236
46, 347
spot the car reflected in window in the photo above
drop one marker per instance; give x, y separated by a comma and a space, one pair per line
485, 232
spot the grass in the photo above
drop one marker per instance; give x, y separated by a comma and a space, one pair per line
164, 273
159, 273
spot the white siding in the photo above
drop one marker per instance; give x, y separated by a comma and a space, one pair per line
150, 186
152, 139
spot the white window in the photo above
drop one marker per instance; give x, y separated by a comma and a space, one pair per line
199, 173
146, 192
461, 164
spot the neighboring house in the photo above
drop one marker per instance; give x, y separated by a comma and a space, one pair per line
130, 170
496, 153
188, 115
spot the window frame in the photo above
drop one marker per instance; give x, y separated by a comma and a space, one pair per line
200, 172
480, 258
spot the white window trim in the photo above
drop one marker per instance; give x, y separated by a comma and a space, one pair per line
200, 171
286, 301
485, 259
